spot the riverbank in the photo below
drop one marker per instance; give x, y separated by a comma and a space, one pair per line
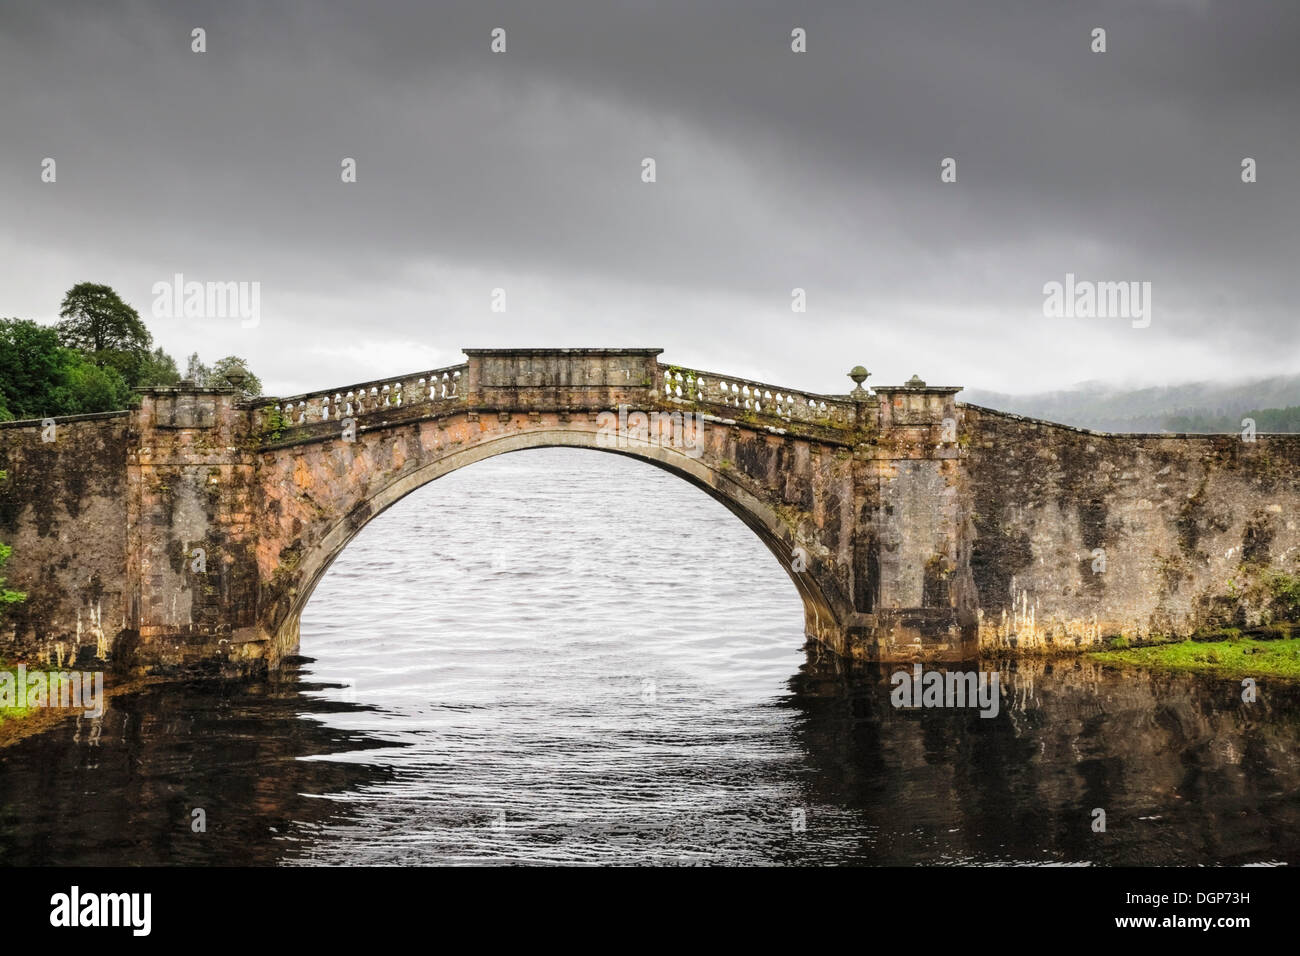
1231, 656
17, 723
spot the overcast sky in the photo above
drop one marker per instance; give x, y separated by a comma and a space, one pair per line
775, 170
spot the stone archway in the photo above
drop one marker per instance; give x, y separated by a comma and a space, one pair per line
283, 613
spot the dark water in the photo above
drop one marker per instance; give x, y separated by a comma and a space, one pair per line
568, 657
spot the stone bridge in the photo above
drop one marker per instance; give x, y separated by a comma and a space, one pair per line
191, 531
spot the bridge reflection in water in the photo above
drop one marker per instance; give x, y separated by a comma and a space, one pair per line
1186, 777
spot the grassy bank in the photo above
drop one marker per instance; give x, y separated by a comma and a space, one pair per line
1232, 657
19, 722
8, 715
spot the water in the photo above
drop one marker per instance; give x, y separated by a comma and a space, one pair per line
563, 656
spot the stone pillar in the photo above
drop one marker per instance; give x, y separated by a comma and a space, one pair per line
917, 563
191, 528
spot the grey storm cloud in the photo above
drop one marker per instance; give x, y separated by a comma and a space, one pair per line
775, 170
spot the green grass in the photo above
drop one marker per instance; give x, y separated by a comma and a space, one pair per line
1239, 657
12, 713
18, 713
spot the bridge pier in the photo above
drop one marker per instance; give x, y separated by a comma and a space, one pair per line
192, 533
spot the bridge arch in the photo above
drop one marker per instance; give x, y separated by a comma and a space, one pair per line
282, 617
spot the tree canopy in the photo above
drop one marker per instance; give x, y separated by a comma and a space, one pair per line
214, 376
158, 368
1265, 419
39, 377
91, 360
105, 329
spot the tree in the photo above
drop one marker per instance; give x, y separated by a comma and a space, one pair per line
158, 368
97, 322
215, 376
196, 371
88, 388
1265, 419
251, 385
31, 365
44, 370
40, 377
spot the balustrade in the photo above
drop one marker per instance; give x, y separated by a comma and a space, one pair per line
437, 385
694, 386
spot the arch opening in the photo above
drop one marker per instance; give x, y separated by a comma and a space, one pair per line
754, 514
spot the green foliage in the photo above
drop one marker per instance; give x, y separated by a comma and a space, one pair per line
109, 332
158, 368
1286, 420
274, 422
1245, 657
214, 376
6, 595
12, 713
251, 386
89, 388
89, 362
1194, 406
31, 363
196, 371
1285, 589
40, 377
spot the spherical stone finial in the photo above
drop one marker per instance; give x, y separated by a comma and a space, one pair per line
859, 375
915, 382
236, 375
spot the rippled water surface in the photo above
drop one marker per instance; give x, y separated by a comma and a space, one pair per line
563, 656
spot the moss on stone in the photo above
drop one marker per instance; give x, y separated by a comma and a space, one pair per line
1234, 657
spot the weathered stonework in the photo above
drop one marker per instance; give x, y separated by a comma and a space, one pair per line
63, 511
1172, 517
192, 531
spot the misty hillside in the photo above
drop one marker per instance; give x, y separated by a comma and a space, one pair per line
1197, 407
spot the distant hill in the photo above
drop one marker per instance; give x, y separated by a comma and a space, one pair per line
1274, 403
